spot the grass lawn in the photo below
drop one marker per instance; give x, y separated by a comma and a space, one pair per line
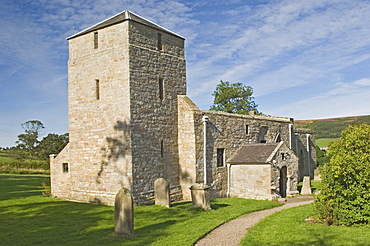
288, 227
28, 218
324, 142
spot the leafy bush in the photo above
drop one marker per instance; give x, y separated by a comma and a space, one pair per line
344, 199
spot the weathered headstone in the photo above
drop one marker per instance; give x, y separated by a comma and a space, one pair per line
124, 214
306, 187
200, 196
162, 192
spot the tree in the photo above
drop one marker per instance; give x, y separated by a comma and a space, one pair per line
233, 98
29, 140
51, 144
344, 199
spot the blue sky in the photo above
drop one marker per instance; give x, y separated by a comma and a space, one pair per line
305, 59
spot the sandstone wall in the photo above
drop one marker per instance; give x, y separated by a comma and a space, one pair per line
99, 116
250, 181
154, 110
306, 152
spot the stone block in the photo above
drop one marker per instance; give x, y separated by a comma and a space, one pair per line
124, 214
200, 196
162, 192
306, 187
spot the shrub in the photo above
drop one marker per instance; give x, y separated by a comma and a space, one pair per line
344, 199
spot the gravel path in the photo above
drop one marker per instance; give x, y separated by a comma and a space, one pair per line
232, 232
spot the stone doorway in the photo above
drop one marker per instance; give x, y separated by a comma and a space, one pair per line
283, 181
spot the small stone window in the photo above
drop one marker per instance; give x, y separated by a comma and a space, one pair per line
97, 89
246, 129
161, 88
159, 41
220, 157
162, 148
65, 168
96, 40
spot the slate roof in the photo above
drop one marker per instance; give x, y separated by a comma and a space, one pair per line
255, 153
121, 17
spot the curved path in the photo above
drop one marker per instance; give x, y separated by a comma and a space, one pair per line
232, 232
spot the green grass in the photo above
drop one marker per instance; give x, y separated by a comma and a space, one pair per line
288, 227
28, 218
324, 142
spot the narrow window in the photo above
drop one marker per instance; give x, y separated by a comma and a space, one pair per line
162, 148
246, 129
220, 157
161, 88
65, 167
97, 89
96, 40
159, 41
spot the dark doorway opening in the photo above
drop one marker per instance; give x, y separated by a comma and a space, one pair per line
283, 181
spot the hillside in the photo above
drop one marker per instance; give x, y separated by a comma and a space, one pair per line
331, 128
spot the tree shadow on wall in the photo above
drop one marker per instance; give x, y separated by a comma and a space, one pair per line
113, 154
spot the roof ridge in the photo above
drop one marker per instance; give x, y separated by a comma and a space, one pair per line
121, 17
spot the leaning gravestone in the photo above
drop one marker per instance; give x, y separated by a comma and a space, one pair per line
306, 187
124, 214
162, 192
200, 196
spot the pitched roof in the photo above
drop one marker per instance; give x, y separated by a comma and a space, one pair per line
255, 153
121, 17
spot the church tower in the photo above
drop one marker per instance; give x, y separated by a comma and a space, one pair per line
124, 76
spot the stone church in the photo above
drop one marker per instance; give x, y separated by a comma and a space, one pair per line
130, 123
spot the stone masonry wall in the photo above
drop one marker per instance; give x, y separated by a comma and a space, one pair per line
154, 117
226, 131
99, 122
187, 148
250, 181
305, 140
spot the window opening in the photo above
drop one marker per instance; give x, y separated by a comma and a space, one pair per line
220, 157
97, 89
65, 167
262, 134
159, 41
161, 88
246, 129
96, 40
162, 148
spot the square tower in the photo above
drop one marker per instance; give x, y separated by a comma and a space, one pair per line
124, 76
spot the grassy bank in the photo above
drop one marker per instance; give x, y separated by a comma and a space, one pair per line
288, 227
28, 218
10, 165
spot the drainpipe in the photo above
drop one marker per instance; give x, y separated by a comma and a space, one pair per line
290, 135
308, 154
205, 119
228, 180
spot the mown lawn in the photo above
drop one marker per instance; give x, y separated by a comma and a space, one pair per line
28, 218
324, 142
288, 227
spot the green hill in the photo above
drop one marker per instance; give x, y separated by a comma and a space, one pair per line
331, 128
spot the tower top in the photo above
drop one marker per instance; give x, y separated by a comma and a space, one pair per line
121, 17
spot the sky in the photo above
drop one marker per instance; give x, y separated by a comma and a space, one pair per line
304, 59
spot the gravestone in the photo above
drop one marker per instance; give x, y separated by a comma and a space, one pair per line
200, 196
162, 192
124, 214
306, 187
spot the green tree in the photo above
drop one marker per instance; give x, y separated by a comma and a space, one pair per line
28, 141
321, 156
233, 98
344, 199
51, 144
